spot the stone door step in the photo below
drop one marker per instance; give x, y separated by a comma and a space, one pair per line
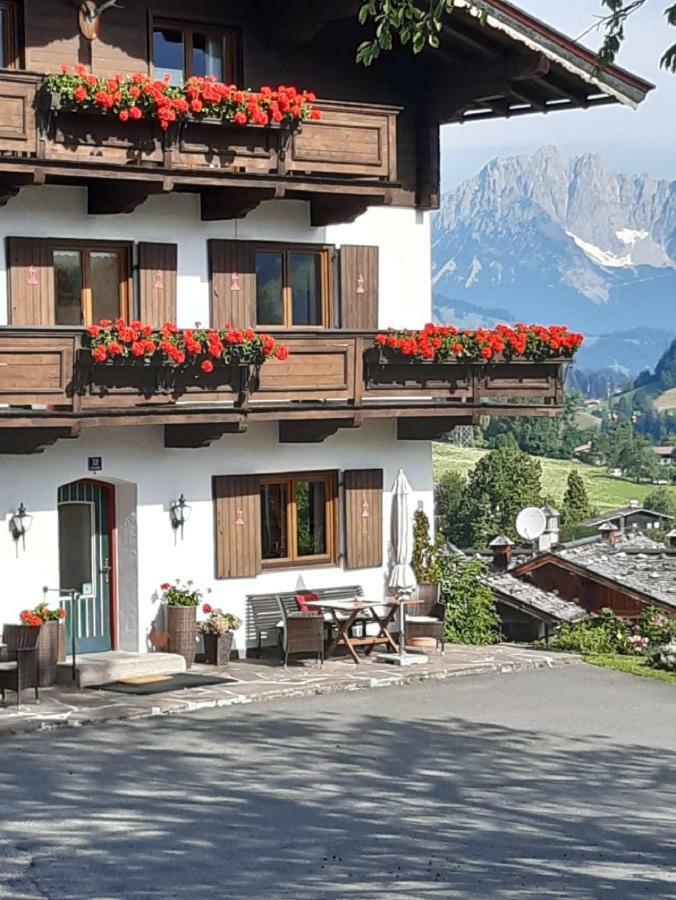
117, 665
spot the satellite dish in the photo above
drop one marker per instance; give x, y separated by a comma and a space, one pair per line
531, 523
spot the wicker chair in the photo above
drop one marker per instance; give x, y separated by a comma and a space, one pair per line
425, 616
20, 670
303, 633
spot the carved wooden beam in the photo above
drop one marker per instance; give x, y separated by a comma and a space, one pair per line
313, 431
11, 183
420, 429
34, 440
199, 435
233, 203
105, 198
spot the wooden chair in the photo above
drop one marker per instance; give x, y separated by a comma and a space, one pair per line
303, 633
20, 670
265, 616
425, 616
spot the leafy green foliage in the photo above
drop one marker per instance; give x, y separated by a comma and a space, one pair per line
425, 553
419, 25
471, 617
501, 485
449, 503
609, 633
662, 500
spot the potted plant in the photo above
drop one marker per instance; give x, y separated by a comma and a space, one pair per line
217, 631
51, 641
181, 599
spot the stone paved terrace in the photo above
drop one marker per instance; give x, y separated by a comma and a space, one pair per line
263, 680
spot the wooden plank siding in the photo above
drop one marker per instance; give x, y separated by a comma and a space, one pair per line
157, 273
237, 525
363, 518
359, 287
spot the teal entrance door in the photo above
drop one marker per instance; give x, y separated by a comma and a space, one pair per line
85, 546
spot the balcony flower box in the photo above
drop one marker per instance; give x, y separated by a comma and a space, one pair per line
135, 358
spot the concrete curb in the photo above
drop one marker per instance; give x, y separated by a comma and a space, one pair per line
178, 706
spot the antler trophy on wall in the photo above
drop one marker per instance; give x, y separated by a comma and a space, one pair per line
89, 17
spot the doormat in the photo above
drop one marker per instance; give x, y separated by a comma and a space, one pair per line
143, 687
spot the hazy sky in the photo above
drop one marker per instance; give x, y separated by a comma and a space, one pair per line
633, 141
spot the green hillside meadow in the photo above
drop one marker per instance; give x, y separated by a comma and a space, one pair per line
604, 492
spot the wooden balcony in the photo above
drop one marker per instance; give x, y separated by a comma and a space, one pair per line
351, 151
330, 380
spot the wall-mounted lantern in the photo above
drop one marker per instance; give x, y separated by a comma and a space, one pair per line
179, 512
20, 523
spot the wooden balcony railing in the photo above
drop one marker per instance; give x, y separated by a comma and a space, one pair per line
47, 367
351, 141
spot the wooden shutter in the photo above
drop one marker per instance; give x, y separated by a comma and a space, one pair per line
31, 281
232, 274
157, 267
359, 287
237, 525
363, 518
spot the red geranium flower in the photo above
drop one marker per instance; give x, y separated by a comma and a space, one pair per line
207, 366
206, 609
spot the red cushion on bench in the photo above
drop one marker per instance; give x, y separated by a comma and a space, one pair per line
302, 602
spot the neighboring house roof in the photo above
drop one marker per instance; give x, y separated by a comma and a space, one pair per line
612, 514
640, 567
530, 599
668, 452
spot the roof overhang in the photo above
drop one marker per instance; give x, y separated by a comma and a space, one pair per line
563, 74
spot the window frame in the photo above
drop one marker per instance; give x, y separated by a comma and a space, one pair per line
325, 252
330, 480
85, 248
10, 37
231, 45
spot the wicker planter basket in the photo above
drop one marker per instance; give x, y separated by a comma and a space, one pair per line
181, 625
50, 647
217, 648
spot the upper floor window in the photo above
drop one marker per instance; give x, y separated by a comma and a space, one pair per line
182, 51
91, 282
9, 44
292, 286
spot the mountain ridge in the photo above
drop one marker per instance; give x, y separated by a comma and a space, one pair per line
552, 238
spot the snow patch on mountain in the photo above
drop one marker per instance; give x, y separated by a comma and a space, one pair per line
605, 258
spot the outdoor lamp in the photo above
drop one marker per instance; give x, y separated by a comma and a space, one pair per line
20, 523
179, 512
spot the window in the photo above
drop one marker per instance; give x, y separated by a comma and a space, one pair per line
292, 287
9, 50
91, 282
298, 518
181, 51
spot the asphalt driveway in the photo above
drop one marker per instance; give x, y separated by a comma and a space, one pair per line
557, 783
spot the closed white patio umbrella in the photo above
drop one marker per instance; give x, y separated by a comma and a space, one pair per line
402, 579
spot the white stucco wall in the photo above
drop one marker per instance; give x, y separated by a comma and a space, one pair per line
403, 236
149, 551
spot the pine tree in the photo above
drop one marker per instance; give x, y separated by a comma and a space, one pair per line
576, 506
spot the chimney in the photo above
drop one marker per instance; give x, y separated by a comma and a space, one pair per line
608, 533
502, 552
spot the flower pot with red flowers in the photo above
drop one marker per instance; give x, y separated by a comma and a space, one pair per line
182, 599
51, 641
217, 631
130, 357
469, 364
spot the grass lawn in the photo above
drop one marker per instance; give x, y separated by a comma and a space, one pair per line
632, 665
604, 492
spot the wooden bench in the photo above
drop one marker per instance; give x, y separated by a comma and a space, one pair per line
264, 615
